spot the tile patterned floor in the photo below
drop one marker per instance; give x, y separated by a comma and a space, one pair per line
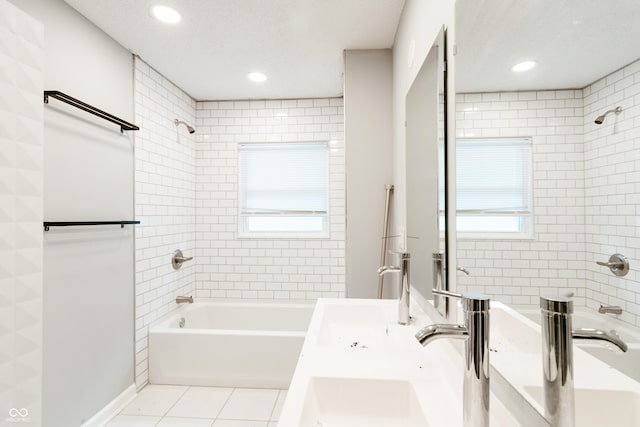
184, 406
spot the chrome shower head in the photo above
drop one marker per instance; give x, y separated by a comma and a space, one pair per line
189, 128
600, 119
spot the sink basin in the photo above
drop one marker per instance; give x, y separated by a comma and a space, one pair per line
628, 363
349, 402
352, 326
597, 408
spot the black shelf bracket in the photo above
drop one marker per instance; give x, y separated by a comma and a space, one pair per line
124, 125
48, 224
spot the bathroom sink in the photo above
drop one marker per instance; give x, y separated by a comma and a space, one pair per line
353, 326
628, 363
598, 408
349, 402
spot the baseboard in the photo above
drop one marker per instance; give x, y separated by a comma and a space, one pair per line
111, 410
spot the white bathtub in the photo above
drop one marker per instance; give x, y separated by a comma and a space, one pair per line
628, 363
228, 344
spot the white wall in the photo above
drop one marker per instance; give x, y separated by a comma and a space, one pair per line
419, 26
165, 201
612, 186
369, 167
88, 175
21, 186
269, 269
518, 270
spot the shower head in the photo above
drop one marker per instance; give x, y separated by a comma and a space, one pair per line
600, 119
189, 128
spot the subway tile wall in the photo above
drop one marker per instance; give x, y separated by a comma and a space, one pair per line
517, 271
186, 198
265, 269
612, 183
21, 216
586, 193
165, 198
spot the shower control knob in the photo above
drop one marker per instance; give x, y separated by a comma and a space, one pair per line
618, 264
178, 259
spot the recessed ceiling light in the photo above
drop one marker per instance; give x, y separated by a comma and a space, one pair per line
166, 14
257, 77
523, 66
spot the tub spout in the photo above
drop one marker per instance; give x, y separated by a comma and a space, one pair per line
183, 300
613, 309
598, 335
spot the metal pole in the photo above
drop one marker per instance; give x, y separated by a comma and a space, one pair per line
385, 231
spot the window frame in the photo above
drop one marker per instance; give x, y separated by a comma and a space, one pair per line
527, 231
244, 233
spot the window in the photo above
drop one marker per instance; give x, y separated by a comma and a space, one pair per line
494, 186
283, 190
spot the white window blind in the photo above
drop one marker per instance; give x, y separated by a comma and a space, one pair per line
494, 185
283, 188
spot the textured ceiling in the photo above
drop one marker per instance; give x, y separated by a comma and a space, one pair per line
575, 42
298, 43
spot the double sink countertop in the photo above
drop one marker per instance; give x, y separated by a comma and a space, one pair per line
359, 367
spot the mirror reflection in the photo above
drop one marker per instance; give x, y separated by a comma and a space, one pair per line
547, 154
426, 162
559, 191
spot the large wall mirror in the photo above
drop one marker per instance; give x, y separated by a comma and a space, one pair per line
571, 207
533, 79
426, 173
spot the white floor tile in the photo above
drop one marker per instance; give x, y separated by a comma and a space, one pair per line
201, 402
275, 416
237, 423
184, 422
154, 400
133, 421
249, 404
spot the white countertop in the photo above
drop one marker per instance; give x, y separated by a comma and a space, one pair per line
516, 343
355, 339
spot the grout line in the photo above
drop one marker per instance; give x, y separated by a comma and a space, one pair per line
176, 402
224, 404
275, 404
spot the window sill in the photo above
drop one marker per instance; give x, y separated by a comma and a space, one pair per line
495, 236
283, 236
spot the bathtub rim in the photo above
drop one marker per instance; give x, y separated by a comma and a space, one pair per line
161, 324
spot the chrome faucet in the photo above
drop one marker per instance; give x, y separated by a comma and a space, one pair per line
464, 270
613, 309
557, 358
183, 300
405, 287
475, 332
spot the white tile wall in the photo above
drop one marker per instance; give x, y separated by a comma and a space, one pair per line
21, 201
186, 197
586, 193
165, 177
612, 181
270, 269
517, 271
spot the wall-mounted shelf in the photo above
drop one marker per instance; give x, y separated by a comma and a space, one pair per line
48, 224
124, 125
